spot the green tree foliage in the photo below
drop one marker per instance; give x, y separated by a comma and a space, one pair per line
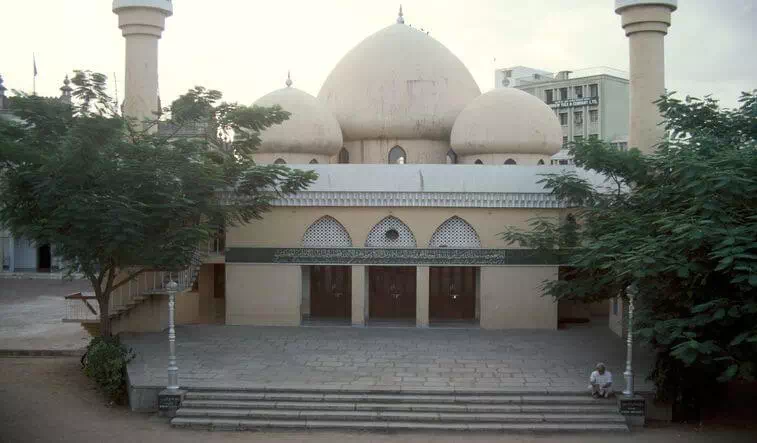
682, 223
105, 363
111, 193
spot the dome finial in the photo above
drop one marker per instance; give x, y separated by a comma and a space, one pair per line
400, 17
289, 79
65, 90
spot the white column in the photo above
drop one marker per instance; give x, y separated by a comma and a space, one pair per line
12, 254
646, 23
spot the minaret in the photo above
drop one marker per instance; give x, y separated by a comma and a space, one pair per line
3, 98
65, 90
142, 23
646, 23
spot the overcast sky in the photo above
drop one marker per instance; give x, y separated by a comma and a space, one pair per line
245, 47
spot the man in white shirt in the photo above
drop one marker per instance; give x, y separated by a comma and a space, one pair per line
600, 382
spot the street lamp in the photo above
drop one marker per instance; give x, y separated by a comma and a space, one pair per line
632, 290
173, 370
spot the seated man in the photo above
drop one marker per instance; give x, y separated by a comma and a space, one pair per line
600, 382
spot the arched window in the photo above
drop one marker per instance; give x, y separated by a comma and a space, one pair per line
479, 162
510, 161
455, 233
541, 162
313, 162
279, 161
326, 232
451, 157
344, 157
390, 232
397, 156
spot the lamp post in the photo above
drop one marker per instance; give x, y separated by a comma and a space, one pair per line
173, 369
632, 291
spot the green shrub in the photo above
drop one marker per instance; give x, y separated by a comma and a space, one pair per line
105, 363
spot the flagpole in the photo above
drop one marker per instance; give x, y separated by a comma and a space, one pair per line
34, 78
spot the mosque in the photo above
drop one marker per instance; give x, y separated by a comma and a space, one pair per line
419, 173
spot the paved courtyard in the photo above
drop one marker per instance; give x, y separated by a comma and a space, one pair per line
31, 312
383, 358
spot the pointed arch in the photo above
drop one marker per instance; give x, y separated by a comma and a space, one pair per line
510, 161
540, 163
390, 232
451, 157
344, 156
397, 156
326, 232
313, 162
479, 162
280, 161
455, 233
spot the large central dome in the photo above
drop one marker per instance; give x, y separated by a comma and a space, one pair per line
399, 83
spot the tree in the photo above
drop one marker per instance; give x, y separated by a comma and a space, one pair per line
115, 195
682, 224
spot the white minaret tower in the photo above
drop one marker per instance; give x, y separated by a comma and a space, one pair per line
646, 23
142, 23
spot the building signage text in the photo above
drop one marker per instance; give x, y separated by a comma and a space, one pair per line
398, 256
573, 102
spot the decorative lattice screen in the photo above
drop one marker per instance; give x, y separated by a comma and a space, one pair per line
326, 232
390, 233
455, 233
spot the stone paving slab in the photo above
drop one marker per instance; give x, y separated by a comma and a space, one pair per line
409, 360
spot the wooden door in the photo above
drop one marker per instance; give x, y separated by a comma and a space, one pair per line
330, 292
392, 292
452, 293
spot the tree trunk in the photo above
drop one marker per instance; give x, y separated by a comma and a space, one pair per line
105, 325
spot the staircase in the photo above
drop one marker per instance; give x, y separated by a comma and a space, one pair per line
384, 411
83, 307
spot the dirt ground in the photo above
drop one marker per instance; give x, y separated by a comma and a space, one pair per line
31, 313
50, 400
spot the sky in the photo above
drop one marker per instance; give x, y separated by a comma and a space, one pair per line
245, 47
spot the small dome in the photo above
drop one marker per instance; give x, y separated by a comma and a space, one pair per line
311, 128
506, 121
398, 83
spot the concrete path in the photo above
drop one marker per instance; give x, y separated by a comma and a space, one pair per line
382, 358
31, 312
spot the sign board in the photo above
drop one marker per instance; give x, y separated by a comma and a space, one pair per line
635, 406
169, 402
391, 256
573, 102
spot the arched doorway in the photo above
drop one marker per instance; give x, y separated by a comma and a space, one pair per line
326, 290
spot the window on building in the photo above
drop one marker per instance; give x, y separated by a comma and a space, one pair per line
540, 163
548, 97
593, 115
397, 156
564, 162
344, 156
451, 157
563, 93
479, 162
578, 118
564, 140
564, 118
279, 161
593, 90
313, 162
578, 91
510, 161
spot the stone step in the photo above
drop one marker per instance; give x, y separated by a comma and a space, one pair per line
396, 398
233, 424
455, 417
600, 407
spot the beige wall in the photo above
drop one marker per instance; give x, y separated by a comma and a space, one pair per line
284, 227
511, 297
418, 151
263, 294
152, 314
499, 159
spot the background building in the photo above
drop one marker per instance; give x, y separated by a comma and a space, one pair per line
590, 103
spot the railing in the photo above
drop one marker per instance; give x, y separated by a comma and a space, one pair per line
83, 307
216, 245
